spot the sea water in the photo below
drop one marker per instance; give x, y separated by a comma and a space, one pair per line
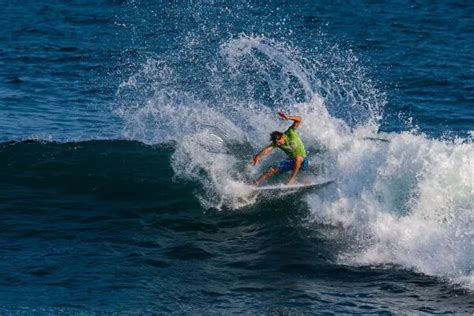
126, 129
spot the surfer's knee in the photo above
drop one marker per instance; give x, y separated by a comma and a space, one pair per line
299, 159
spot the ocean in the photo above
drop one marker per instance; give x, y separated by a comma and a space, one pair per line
127, 128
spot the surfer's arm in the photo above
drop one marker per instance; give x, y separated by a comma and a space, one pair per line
265, 151
295, 118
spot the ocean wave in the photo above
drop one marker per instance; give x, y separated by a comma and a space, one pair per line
406, 200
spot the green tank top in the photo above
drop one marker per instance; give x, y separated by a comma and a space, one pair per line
293, 145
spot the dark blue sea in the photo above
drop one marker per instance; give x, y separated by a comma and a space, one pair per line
126, 131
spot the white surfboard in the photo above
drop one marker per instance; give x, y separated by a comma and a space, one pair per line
296, 187
281, 190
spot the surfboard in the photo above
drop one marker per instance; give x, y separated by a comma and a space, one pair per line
279, 191
296, 187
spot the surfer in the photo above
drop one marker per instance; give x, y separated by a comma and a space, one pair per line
290, 142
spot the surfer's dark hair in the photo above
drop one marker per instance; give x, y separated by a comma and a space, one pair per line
275, 136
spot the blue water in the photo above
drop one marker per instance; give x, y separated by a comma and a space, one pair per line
126, 128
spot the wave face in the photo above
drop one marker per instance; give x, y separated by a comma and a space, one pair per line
82, 208
126, 131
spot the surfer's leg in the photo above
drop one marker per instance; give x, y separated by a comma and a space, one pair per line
298, 161
270, 172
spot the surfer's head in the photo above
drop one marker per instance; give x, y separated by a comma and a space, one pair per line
277, 138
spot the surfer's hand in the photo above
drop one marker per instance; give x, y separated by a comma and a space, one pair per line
254, 161
283, 116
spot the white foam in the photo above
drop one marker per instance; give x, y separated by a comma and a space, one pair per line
409, 202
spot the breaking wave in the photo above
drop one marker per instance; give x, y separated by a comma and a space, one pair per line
402, 198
